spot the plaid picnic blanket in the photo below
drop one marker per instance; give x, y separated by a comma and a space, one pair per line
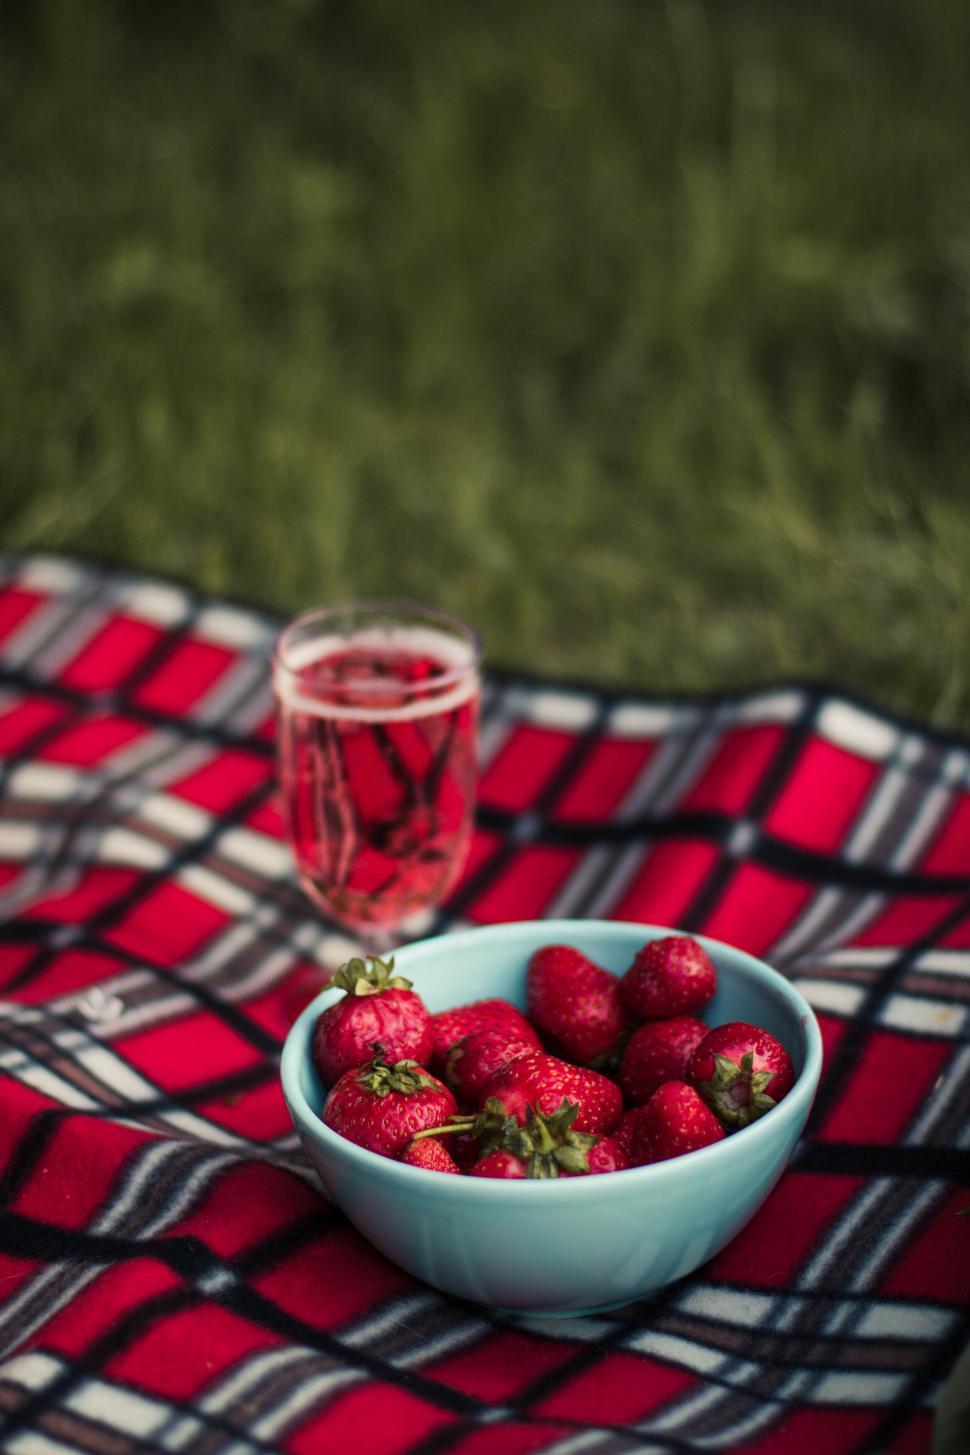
170, 1280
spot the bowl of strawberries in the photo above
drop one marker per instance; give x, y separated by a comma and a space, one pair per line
553, 1116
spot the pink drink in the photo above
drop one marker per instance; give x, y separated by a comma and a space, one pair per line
377, 764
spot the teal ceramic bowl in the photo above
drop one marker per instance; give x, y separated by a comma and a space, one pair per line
576, 1245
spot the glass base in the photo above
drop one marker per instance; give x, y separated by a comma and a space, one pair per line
384, 939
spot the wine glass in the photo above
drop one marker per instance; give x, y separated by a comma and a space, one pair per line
377, 708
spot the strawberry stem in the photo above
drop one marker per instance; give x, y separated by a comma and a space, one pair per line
489, 1127
458, 1124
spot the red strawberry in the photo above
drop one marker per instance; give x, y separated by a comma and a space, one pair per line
475, 1059
674, 1120
381, 1107
429, 1152
380, 1014
658, 1051
541, 1082
577, 1002
741, 1071
606, 1155
451, 1026
625, 1130
498, 1163
668, 977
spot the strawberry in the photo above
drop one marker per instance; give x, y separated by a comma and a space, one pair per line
606, 1155
658, 1051
741, 1071
380, 1013
624, 1132
381, 1107
476, 1058
428, 1152
668, 977
498, 1163
540, 1082
675, 1120
451, 1026
577, 1002
547, 1146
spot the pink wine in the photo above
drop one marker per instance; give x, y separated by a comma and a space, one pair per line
377, 762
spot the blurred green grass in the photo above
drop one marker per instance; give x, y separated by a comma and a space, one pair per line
636, 333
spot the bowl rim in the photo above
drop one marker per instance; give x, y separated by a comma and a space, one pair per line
794, 1106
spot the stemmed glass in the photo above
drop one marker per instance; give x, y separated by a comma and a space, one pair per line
377, 709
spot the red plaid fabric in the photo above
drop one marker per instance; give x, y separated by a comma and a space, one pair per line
169, 1278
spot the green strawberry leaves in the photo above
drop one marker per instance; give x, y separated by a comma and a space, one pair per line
406, 1077
736, 1092
546, 1144
356, 979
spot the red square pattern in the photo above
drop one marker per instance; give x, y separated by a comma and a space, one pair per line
498, 1368
739, 764
259, 1114
832, 1028
379, 1417
20, 1104
936, 1263
915, 1437
603, 779
67, 971
188, 671
15, 606
23, 723
13, 958
77, 1173
889, 1085
768, 1252
625, 1385
807, 1431
523, 766
111, 655
508, 1437
246, 1204
354, 1274
527, 884
756, 908
267, 818
278, 1008
908, 918
91, 742
92, 892
822, 797
97, 1308
666, 882
169, 925
187, 1052
949, 853
483, 845
957, 938
219, 784
184, 1352
14, 1273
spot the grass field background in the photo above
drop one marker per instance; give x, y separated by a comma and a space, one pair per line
637, 333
